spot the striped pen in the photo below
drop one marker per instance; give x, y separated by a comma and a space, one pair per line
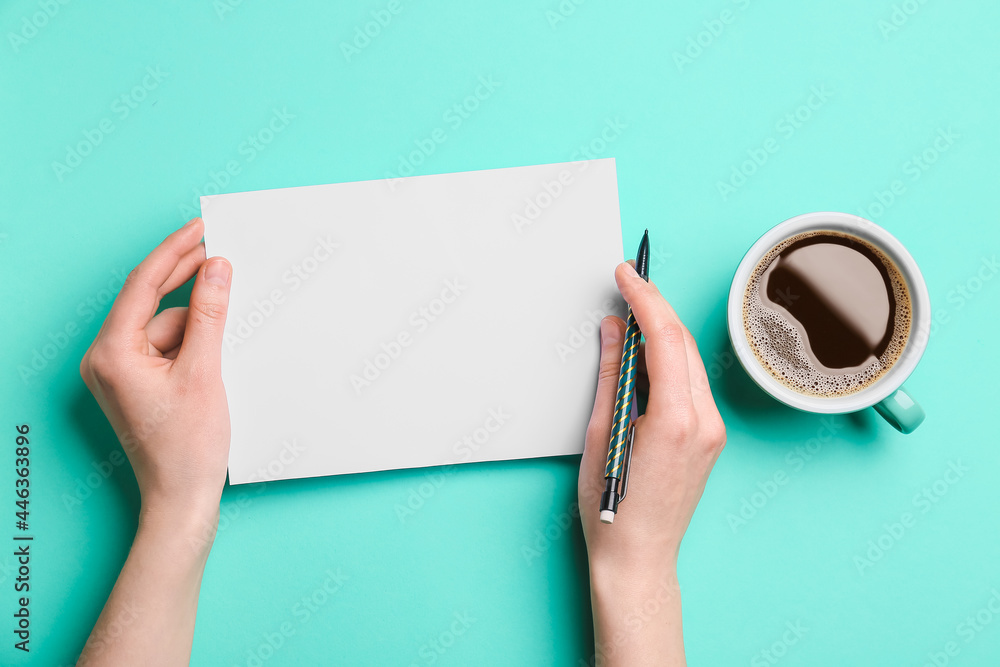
626, 408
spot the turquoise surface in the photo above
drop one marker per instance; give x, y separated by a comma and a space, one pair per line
818, 541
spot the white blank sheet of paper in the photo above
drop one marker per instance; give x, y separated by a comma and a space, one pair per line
414, 322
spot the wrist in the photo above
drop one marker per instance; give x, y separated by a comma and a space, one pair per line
633, 564
621, 594
634, 581
637, 615
191, 529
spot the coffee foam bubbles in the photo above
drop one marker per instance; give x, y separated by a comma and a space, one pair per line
781, 348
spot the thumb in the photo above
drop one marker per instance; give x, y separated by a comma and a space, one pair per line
206, 318
599, 432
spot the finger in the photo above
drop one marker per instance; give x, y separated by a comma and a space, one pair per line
145, 286
187, 267
696, 368
701, 390
201, 349
599, 431
665, 353
166, 331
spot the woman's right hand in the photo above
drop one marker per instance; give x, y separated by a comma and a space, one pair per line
677, 441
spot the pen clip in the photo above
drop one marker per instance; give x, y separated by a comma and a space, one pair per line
628, 460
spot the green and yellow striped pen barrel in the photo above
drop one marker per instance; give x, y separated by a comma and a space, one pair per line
623, 405
620, 448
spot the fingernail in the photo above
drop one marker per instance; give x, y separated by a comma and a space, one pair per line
609, 332
630, 270
191, 222
217, 272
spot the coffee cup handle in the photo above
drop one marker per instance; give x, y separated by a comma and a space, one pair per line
901, 411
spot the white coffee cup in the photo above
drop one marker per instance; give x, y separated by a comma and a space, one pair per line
886, 394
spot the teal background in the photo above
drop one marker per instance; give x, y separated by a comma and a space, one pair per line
686, 127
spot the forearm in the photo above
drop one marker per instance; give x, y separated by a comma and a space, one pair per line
149, 616
637, 617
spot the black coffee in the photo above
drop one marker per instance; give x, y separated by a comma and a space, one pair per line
826, 313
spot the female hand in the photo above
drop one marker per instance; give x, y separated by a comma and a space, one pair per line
158, 377
677, 441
